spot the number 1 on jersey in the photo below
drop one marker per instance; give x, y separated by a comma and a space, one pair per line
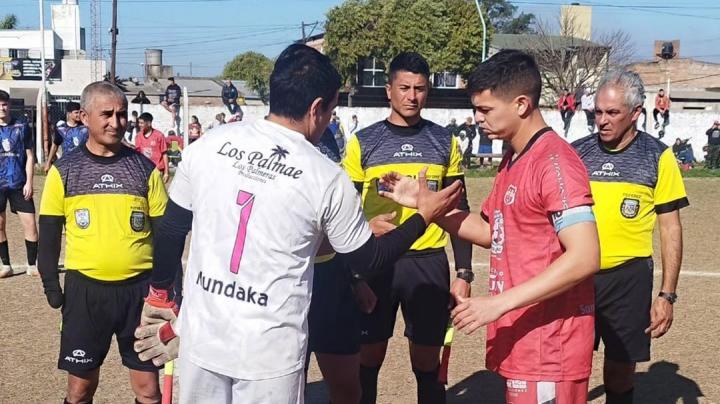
245, 200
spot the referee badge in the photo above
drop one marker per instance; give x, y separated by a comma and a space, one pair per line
137, 220
630, 208
82, 218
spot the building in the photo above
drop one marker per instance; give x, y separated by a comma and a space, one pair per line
68, 71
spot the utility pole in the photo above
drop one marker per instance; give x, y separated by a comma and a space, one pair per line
302, 27
484, 28
113, 55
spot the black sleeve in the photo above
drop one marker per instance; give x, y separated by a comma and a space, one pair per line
170, 231
28, 138
462, 249
50, 232
358, 186
57, 138
378, 253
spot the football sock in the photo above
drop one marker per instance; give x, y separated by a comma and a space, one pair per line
31, 247
429, 389
368, 382
4, 253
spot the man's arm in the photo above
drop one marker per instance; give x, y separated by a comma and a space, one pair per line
467, 226
166, 162
671, 246
169, 244
48, 255
29, 173
50, 157
580, 260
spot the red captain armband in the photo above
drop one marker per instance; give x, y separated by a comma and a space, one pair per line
166, 333
160, 298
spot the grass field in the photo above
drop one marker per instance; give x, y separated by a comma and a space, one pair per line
681, 369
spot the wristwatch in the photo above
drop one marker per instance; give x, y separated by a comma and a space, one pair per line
670, 297
466, 274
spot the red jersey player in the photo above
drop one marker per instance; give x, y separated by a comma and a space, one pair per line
539, 226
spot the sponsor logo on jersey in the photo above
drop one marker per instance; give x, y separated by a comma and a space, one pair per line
137, 220
231, 290
82, 218
260, 166
407, 150
6, 145
607, 170
107, 181
630, 208
510, 195
517, 386
498, 233
560, 181
497, 281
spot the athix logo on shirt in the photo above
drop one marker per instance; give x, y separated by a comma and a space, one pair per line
258, 166
407, 150
107, 181
608, 170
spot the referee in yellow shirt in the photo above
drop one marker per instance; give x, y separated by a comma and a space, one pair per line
635, 181
107, 196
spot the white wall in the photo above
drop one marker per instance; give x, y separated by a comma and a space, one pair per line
76, 74
682, 124
21, 39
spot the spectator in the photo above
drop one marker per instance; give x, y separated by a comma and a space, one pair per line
237, 116
150, 143
354, 125
175, 145
469, 130
662, 107
683, 151
141, 99
173, 93
587, 103
229, 96
713, 147
566, 105
132, 127
219, 120
485, 146
452, 127
195, 132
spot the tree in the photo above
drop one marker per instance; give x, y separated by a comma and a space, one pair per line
253, 68
502, 15
446, 32
9, 22
569, 62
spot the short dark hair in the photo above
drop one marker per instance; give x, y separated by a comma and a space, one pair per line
146, 116
72, 106
4, 96
171, 78
509, 73
412, 62
302, 74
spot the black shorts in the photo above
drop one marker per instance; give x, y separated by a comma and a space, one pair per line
17, 201
334, 319
92, 313
623, 296
420, 285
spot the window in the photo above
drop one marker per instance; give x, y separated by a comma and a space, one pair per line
445, 80
18, 53
372, 73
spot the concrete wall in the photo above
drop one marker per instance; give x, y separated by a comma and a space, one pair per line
682, 124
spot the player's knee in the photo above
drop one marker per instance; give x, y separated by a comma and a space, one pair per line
373, 355
346, 392
147, 390
79, 395
424, 357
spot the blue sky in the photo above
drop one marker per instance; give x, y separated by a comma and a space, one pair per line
208, 33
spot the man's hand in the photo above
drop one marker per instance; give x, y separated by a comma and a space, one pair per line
434, 205
661, 318
46, 166
401, 189
382, 223
157, 342
459, 289
54, 296
166, 175
471, 314
27, 191
365, 297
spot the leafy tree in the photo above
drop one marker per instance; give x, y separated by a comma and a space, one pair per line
447, 32
253, 68
502, 15
9, 22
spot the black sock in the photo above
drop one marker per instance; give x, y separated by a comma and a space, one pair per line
65, 401
4, 253
31, 247
368, 383
429, 389
619, 398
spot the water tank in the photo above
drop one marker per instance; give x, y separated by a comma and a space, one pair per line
153, 63
71, 2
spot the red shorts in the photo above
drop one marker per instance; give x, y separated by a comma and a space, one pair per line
566, 392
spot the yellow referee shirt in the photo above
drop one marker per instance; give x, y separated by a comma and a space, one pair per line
106, 203
630, 188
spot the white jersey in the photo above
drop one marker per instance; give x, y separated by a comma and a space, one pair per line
262, 199
587, 102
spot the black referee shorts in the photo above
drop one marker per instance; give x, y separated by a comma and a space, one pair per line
623, 296
420, 286
17, 201
93, 312
334, 319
